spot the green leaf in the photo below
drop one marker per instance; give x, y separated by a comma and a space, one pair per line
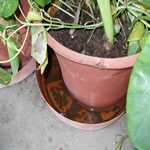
106, 13
138, 100
34, 15
117, 27
137, 32
2, 27
12, 50
5, 77
42, 3
142, 41
145, 2
39, 44
8, 7
133, 47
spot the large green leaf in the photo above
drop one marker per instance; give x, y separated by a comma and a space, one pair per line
42, 3
8, 7
138, 100
5, 77
12, 50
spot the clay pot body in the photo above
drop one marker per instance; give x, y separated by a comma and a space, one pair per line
95, 82
3, 52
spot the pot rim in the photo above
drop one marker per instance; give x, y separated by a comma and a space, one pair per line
97, 62
83, 126
26, 70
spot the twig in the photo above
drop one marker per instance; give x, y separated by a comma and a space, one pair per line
22, 13
63, 10
76, 20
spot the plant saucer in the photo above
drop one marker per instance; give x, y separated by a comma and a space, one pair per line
66, 107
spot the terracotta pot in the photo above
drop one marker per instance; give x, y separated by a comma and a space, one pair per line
65, 106
95, 82
3, 52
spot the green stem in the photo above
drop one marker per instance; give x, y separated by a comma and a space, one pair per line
22, 13
106, 14
30, 3
64, 11
64, 25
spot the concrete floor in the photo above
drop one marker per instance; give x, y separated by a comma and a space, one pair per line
26, 123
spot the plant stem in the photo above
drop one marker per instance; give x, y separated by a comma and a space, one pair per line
23, 26
68, 26
64, 11
22, 13
143, 21
77, 16
106, 14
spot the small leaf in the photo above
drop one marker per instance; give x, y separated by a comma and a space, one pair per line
138, 100
43, 3
137, 32
146, 3
44, 65
120, 142
113, 10
12, 50
117, 27
142, 41
39, 44
133, 47
5, 77
8, 7
33, 15
2, 28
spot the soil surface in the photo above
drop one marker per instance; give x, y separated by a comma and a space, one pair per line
89, 42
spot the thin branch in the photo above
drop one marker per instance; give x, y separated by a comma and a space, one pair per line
76, 20
22, 13
63, 10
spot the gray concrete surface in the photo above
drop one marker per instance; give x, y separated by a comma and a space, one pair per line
26, 123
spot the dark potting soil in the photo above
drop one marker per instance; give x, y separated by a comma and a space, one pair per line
89, 42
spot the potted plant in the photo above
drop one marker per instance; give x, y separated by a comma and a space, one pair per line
108, 77
15, 59
95, 81
15, 44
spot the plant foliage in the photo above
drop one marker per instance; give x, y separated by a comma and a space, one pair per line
8, 8
138, 97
